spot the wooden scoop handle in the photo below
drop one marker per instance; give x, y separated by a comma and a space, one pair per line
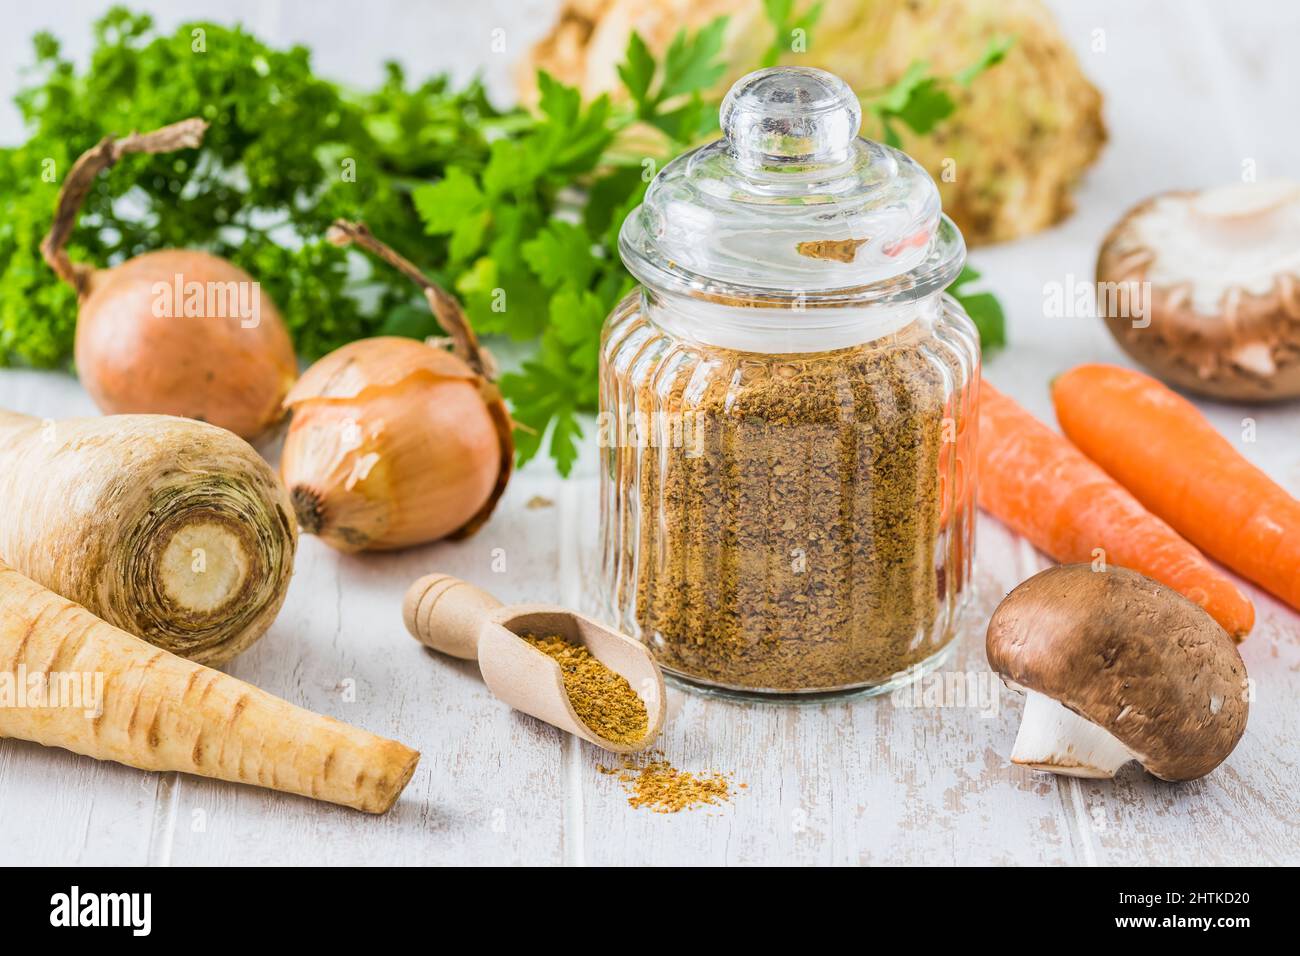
447, 614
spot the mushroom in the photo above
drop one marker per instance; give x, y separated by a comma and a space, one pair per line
1221, 315
1117, 667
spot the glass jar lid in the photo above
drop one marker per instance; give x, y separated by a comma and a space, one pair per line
792, 205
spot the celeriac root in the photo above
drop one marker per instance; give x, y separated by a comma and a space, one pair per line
158, 712
171, 529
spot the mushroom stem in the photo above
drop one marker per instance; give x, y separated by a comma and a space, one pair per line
1056, 739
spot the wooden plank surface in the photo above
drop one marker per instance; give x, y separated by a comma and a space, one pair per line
1193, 91
490, 784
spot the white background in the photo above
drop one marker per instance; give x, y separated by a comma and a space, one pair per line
1192, 90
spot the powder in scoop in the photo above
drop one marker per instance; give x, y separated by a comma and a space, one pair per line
602, 698
659, 786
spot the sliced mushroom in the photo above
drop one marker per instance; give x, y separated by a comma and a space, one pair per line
1117, 667
1222, 313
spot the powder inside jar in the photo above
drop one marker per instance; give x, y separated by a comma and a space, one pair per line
602, 698
787, 523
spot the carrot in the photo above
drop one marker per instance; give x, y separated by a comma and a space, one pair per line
156, 711
1044, 488
1159, 446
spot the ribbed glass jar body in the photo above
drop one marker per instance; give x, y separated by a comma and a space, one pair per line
788, 513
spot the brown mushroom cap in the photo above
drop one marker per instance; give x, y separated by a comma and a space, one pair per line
1130, 655
1242, 344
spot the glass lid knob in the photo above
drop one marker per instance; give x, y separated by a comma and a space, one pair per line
790, 116
792, 205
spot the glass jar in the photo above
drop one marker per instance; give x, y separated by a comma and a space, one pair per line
788, 406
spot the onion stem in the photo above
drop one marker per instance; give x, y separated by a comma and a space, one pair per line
187, 134
444, 306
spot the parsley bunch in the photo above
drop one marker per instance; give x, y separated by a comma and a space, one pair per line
517, 211
286, 153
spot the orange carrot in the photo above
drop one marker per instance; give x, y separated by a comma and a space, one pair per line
1044, 488
1159, 446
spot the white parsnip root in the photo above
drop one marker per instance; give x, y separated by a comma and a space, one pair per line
171, 529
159, 712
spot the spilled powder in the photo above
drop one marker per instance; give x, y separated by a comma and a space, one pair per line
660, 787
602, 698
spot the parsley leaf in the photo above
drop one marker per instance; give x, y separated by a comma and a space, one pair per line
637, 72
540, 401
927, 105
456, 207
993, 54
691, 63
921, 101
983, 307
560, 255
786, 27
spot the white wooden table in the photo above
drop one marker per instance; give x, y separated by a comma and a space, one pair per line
1193, 91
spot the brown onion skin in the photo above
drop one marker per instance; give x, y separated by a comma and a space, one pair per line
433, 473
211, 369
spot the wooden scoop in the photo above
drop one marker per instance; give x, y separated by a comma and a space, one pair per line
456, 618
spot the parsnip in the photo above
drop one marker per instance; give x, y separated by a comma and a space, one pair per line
170, 529
159, 712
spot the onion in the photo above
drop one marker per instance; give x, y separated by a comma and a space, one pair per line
176, 332
395, 442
